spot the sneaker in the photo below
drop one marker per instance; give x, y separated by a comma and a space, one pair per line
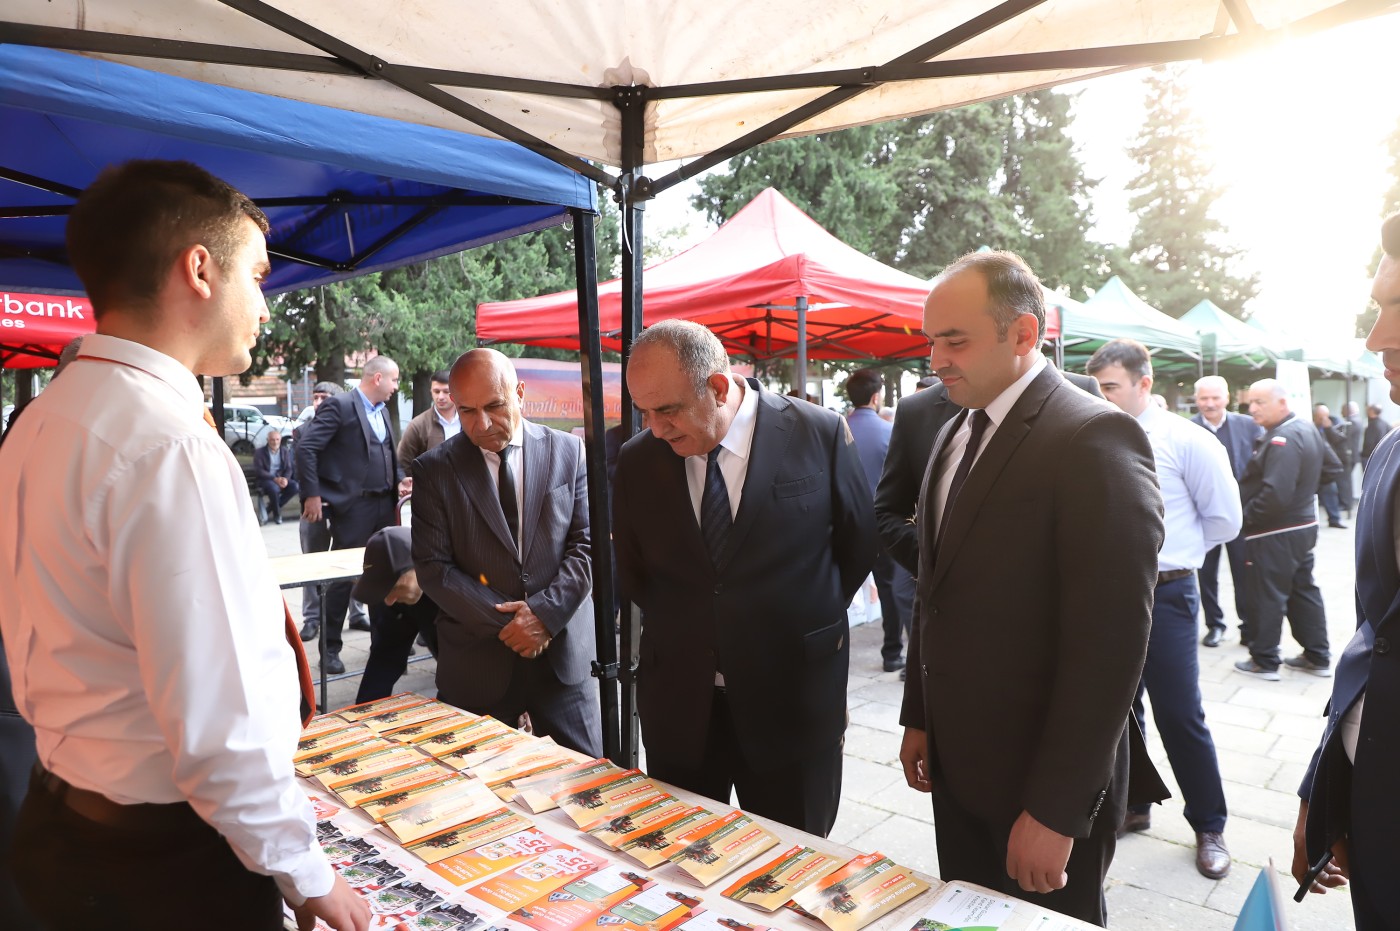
1250, 667
1303, 664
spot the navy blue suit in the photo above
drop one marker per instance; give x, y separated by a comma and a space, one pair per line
1359, 801
1237, 434
894, 582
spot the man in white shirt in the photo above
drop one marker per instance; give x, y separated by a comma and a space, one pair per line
1202, 505
141, 625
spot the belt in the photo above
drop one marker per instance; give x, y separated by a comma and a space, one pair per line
100, 809
1171, 575
381, 493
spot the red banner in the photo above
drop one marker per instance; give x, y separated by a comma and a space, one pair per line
34, 328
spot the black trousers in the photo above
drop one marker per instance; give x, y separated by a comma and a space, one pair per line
1281, 583
896, 588
1209, 575
804, 793
168, 875
391, 632
351, 526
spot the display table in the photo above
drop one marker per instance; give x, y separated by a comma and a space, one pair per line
319, 569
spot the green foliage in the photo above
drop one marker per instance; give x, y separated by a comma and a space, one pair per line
1390, 204
1175, 257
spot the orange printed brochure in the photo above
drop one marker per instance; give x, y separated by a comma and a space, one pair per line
776, 881
389, 757
713, 921
326, 741
497, 856
535, 879
605, 796
469, 802
638, 817
418, 730
582, 901
504, 781
484, 748
451, 736
423, 771
403, 717
859, 892
468, 836
648, 845
390, 805
369, 709
321, 762
716, 848
323, 724
535, 792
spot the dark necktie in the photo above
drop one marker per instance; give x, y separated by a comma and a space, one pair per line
506, 486
715, 518
974, 442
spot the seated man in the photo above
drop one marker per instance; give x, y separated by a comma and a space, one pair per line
398, 611
273, 469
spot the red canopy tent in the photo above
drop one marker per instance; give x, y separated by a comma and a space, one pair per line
34, 328
749, 282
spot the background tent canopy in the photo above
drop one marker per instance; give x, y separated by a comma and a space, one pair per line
346, 193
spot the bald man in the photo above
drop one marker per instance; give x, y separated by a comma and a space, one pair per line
501, 542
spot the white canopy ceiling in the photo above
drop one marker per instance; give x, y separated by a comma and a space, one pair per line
587, 48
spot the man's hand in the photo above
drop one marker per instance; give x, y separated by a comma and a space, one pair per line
405, 487
1036, 856
311, 508
342, 908
280, 482
913, 755
1334, 874
525, 634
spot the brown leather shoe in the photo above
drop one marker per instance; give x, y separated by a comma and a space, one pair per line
1134, 822
1212, 856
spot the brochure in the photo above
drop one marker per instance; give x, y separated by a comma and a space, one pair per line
776, 881
648, 845
859, 892
483, 748
389, 756
536, 792
582, 901
639, 817
468, 835
963, 908
323, 724
425, 771
389, 805
716, 847
396, 718
418, 730
711, 921
539, 877
606, 796
443, 812
330, 740
314, 766
497, 856
380, 705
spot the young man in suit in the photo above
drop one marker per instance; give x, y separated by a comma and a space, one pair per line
1237, 433
273, 467
1039, 527
743, 527
349, 473
501, 542
1349, 806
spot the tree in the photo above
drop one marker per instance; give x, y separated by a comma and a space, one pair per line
1389, 204
1175, 257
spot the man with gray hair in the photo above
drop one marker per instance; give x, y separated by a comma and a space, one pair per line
1279, 491
743, 526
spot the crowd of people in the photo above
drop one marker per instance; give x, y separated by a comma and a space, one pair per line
1060, 530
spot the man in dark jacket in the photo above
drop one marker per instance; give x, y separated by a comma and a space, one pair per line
1336, 494
1279, 492
1376, 429
273, 467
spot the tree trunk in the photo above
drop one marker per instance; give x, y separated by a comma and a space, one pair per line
422, 392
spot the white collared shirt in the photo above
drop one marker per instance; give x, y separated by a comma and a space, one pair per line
450, 428
142, 622
374, 413
733, 455
517, 471
996, 413
1200, 497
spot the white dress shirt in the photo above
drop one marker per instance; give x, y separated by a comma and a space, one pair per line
141, 618
450, 428
733, 454
517, 472
1200, 497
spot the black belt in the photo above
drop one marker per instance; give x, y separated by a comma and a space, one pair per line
381, 493
1171, 575
100, 809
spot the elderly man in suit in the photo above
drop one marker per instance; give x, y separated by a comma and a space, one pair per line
350, 474
743, 527
274, 468
500, 539
1039, 526
1237, 433
1349, 808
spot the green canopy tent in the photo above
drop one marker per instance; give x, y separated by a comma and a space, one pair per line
1227, 341
1115, 312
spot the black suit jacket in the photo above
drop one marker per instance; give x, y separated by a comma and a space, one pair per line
262, 463
772, 616
467, 561
917, 420
1243, 434
334, 453
1032, 628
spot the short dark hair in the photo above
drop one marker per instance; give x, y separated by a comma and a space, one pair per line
928, 381
1129, 353
1011, 285
328, 388
441, 377
863, 385
1390, 235
131, 223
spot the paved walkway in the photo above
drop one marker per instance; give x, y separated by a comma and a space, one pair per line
1264, 733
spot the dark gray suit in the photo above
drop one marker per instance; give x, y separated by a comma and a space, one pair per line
467, 563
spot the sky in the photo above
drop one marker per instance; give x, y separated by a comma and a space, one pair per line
1296, 135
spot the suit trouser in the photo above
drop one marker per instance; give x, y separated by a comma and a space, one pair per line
392, 629
1331, 502
896, 588
804, 793
1171, 679
280, 495
974, 850
1281, 582
571, 714
171, 874
351, 526
1209, 575
1345, 493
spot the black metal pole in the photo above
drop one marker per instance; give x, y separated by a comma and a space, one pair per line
599, 517
216, 403
799, 373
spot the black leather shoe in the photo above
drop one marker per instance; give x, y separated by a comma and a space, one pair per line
332, 666
894, 665
309, 630
1336, 525
1212, 856
1212, 638
1135, 822
358, 624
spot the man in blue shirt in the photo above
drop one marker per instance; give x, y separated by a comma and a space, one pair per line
896, 586
1202, 506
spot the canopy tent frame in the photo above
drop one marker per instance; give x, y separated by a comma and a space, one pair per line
632, 188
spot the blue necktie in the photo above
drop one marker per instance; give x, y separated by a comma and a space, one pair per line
715, 518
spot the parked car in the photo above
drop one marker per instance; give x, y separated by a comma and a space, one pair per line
246, 428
